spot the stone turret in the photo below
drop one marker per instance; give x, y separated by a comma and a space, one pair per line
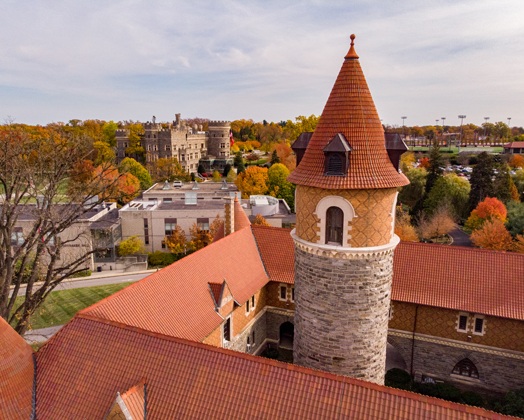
344, 237
219, 142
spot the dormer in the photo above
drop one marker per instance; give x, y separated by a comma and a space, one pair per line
336, 156
222, 297
300, 145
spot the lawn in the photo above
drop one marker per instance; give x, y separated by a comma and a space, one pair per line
62, 305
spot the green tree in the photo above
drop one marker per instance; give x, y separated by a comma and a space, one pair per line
515, 223
512, 404
103, 153
231, 175
279, 186
502, 182
168, 169
109, 133
131, 246
452, 191
301, 125
412, 193
481, 180
238, 159
130, 165
274, 158
436, 163
135, 149
227, 168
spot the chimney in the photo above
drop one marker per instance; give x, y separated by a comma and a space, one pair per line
229, 223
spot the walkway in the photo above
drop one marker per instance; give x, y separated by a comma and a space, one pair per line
460, 238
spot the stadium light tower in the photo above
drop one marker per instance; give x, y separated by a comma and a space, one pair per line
460, 139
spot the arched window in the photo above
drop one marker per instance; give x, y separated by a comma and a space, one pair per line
466, 368
334, 225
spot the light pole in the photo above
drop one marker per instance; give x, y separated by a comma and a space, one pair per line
485, 127
460, 140
509, 121
443, 119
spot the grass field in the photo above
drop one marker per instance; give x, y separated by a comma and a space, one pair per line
62, 305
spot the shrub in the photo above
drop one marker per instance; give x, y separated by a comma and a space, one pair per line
85, 273
161, 259
472, 398
440, 390
398, 378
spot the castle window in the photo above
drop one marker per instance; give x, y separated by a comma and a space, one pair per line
282, 293
247, 307
227, 330
336, 156
462, 325
478, 325
334, 222
292, 294
253, 302
466, 368
146, 232
17, 236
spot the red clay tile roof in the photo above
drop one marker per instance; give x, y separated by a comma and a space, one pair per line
241, 219
466, 279
84, 365
350, 110
277, 251
216, 292
16, 374
176, 300
134, 400
514, 144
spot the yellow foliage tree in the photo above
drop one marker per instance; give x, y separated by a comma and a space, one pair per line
403, 227
518, 245
253, 181
260, 221
492, 235
438, 225
176, 242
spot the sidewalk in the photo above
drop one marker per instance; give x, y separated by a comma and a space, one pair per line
41, 335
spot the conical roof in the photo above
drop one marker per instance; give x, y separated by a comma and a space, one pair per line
349, 111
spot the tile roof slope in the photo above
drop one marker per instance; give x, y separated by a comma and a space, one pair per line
176, 300
84, 365
134, 401
277, 252
16, 374
349, 110
467, 279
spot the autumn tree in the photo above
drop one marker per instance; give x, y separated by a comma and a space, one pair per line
502, 183
199, 237
481, 180
437, 225
518, 244
48, 180
489, 209
104, 153
492, 235
121, 188
403, 227
516, 161
177, 241
133, 167
259, 220
131, 246
168, 169
407, 162
231, 175
253, 181
302, 124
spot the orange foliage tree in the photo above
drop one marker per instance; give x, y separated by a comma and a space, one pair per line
423, 162
403, 227
489, 209
518, 245
260, 221
492, 235
285, 153
253, 181
517, 161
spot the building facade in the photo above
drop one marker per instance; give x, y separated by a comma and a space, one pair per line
176, 140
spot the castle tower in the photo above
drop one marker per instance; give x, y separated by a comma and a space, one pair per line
344, 237
218, 144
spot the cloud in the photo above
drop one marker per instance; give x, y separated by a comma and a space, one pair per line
257, 59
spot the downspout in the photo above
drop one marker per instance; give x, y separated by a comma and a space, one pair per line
413, 343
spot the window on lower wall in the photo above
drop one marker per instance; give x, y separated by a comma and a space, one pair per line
462, 323
227, 329
282, 294
466, 368
478, 325
292, 294
253, 302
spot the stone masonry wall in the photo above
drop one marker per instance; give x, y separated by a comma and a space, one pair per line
341, 318
498, 370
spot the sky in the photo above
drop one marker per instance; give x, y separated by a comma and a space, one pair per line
273, 60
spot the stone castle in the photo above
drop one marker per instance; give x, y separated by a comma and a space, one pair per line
190, 145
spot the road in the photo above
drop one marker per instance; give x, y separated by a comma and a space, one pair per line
99, 279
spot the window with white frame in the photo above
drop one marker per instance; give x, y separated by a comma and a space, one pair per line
282, 292
292, 294
203, 223
17, 236
462, 322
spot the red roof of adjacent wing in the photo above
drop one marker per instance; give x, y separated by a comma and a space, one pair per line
86, 363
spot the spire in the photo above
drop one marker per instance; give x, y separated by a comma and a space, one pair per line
352, 53
349, 111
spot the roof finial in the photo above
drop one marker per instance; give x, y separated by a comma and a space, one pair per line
352, 53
